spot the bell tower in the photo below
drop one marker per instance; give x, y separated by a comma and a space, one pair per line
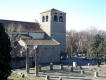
53, 22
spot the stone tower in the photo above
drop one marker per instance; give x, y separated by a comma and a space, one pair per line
53, 22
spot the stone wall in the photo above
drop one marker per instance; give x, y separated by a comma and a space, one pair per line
15, 64
47, 53
55, 29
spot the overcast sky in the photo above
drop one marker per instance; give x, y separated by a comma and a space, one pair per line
81, 14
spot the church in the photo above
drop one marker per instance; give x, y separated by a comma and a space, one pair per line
49, 35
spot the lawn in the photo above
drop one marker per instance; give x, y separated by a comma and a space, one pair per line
16, 77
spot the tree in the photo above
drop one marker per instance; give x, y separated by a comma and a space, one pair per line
102, 47
94, 49
5, 57
77, 42
71, 40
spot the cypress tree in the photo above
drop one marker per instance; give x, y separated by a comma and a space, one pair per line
5, 57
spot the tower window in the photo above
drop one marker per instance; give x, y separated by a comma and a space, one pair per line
55, 18
46, 18
43, 19
60, 19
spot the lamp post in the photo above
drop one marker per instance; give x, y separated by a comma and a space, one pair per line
36, 60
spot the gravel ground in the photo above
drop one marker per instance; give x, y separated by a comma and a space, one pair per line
66, 74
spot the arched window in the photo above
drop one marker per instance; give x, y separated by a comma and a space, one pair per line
55, 18
60, 19
43, 19
46, 18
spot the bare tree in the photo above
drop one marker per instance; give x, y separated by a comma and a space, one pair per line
77, 42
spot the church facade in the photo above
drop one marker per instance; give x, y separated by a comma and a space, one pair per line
49, 35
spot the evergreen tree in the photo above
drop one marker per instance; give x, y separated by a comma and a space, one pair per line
5, 57
93, 49
102, 47
104, 50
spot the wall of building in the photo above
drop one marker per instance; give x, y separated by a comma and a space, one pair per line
61, 38
37, 35
47, 53
46, 25
58, 30
55, 29
57, 26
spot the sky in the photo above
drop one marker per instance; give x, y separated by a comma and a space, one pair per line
81, 14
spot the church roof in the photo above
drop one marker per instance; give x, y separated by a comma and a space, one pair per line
41, 42
20, 26
53, 10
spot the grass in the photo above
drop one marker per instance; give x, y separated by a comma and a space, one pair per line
29, 76
16, 77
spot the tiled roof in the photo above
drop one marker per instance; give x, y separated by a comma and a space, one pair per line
41, 42
53, 10
25, 37
20, 26
18, 36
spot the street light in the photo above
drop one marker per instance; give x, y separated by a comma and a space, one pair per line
36, 59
